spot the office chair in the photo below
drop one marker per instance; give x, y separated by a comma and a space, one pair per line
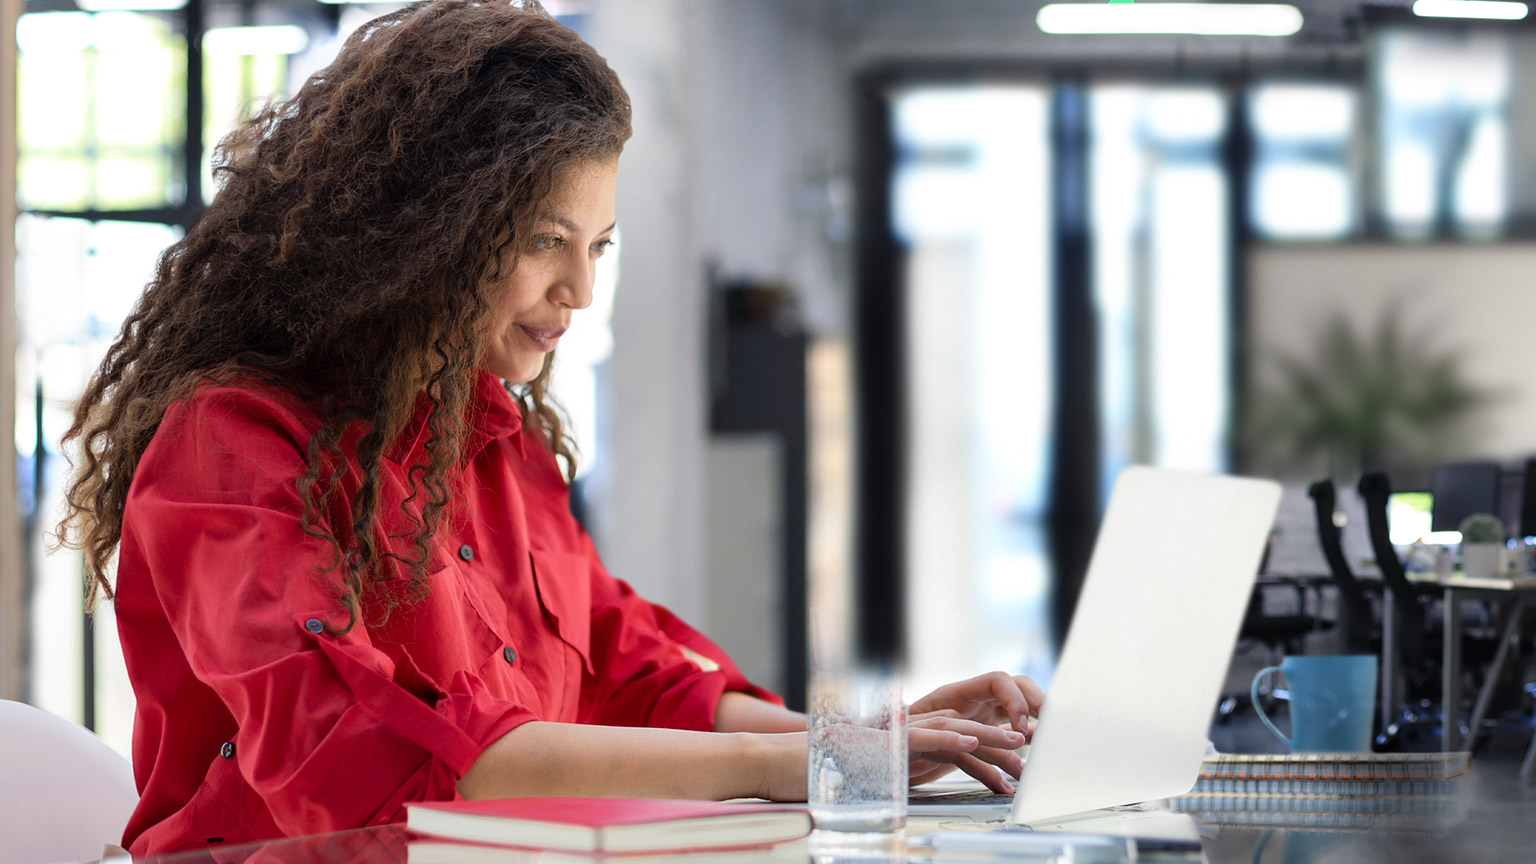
1283, 633
1417, 624
66, 794
1280, 634
1357, 609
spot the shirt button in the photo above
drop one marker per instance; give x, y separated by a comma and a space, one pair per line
467, 552
313, 625
228, 750
509, 655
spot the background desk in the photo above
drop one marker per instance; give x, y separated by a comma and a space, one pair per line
1457, 591
1521, 596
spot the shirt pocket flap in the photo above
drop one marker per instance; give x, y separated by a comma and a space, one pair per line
565, 592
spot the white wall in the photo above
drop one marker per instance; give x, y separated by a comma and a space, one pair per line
743, 552
738, 125
1475, 299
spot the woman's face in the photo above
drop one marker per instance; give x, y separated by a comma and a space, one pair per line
531, 307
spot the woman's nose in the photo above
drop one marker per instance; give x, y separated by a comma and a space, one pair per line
573, 285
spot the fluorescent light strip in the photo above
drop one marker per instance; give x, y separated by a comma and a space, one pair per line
274, 39
1499, 10
1199, 19
129, 5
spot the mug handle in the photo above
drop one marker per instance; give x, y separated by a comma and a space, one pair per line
1253, 693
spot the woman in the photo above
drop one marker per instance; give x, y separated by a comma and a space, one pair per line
347, 578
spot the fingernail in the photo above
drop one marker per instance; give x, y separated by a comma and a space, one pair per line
968, 740
1015, 736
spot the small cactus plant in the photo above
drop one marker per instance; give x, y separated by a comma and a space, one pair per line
1482, 528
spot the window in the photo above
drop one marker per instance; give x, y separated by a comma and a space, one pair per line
1304, 186
100, 111
1442, 126
1160, 228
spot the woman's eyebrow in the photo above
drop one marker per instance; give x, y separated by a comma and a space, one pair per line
570, 226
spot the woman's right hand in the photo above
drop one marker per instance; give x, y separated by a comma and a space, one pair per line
940, 741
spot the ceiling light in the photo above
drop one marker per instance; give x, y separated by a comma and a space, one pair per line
1496, 9
274, 39
129, 5
1201, 19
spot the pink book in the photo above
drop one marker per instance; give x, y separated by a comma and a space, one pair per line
609, 824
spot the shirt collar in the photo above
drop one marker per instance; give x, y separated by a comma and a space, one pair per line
490, 414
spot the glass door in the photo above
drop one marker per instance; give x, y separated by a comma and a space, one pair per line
970, 203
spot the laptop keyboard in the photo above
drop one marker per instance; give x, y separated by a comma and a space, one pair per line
965, 796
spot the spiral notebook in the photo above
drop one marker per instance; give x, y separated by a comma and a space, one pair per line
1426, 814
1338, 774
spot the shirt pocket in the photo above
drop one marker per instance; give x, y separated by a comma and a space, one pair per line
565, 592
485, 620
454, 628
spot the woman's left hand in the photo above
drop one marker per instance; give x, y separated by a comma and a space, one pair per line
991, 700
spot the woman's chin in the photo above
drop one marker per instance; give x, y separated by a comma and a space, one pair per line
520, 371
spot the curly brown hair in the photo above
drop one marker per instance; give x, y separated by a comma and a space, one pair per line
348, 257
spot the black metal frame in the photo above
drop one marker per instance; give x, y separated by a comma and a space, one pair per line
879, 374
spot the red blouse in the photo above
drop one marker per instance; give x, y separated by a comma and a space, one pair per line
255, 722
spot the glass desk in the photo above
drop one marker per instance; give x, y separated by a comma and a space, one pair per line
1469, 828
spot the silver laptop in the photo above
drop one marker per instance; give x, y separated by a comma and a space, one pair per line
1134, 691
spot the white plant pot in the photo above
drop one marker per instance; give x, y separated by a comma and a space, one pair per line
1481, 560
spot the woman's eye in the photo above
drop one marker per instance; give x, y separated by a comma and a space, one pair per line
548, 242
601, 246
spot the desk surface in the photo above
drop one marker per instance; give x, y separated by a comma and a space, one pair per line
1465, 831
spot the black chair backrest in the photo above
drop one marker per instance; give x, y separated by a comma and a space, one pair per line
1376, 489
1355, 607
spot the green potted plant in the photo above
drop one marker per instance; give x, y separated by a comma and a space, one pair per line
1358, 399
1482, 544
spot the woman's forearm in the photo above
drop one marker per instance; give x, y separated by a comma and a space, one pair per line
739, 712
542, 758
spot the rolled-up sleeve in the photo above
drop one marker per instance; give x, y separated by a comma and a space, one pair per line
331, 731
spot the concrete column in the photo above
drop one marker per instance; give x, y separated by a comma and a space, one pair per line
653, 517
12, 669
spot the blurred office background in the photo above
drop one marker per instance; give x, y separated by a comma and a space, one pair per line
1106, 249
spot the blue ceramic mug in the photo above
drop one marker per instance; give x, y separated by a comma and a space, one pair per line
1333, 702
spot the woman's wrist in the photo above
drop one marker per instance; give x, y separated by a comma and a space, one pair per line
777, 764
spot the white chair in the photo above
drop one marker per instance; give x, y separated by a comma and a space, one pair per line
66, 794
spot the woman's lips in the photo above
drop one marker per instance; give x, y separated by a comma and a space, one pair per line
543, 338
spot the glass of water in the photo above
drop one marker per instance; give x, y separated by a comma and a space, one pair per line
857, 765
